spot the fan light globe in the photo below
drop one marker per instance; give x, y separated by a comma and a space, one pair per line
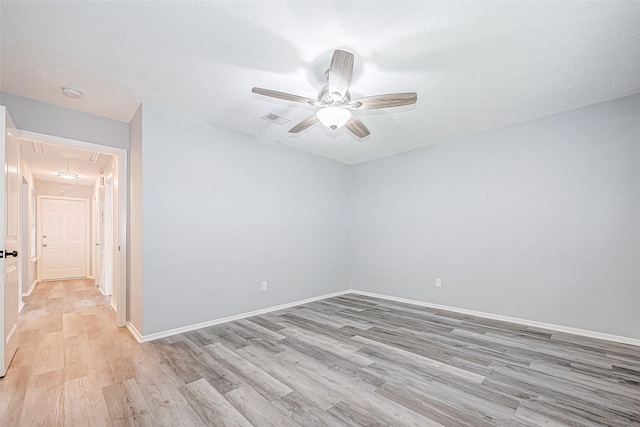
333, 117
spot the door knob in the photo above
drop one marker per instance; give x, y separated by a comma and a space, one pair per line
44, 245
8, 254
44, 236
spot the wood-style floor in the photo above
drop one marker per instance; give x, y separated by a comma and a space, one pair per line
345, 361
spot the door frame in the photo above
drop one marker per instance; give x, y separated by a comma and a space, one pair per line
87, 236
121, 207
107, 241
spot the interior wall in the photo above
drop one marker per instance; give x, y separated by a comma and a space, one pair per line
222, 213
539, 221
45, 188
49, 119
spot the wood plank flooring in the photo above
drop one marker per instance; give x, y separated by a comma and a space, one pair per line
344, 361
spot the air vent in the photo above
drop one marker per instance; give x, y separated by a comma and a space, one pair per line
276, 119
37, 147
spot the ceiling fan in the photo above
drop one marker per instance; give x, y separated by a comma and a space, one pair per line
335, 100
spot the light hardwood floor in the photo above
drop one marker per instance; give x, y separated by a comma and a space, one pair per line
345, 361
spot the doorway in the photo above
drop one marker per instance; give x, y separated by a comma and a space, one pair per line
117, 179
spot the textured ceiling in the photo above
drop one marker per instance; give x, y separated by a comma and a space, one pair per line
474, 65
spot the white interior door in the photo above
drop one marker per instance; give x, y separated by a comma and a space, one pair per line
9, 208
64, 238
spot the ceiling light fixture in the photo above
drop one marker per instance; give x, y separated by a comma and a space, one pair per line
68, 174
70, 92
333, 117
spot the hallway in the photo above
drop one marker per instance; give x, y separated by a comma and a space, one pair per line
69, 350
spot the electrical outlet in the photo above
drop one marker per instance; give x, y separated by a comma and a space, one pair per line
263, 285
438, 282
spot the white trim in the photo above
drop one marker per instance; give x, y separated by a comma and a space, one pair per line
13, 330
33, 285
114, 306
21, 306
558, 328
145, 338
585, 333
137, 335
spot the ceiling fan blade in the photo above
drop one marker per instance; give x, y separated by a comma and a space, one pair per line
339, 75
304, 124
282, 95
358, 128
384, 101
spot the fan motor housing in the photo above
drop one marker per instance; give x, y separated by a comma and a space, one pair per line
330, 100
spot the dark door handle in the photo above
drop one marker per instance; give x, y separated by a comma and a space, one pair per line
7, 253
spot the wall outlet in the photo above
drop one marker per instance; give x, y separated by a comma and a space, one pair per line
438, 282
263, 285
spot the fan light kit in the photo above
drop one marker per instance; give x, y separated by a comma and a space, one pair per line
334, 117
335, 101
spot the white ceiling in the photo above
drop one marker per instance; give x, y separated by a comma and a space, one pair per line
53, 159
475, 65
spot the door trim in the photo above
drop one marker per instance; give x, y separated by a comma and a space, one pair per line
122, 242
87, 238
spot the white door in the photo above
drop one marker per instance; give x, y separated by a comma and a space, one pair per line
64, 238
9, 208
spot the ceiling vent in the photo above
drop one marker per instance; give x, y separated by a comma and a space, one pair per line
37, 147
276, 119
94, 157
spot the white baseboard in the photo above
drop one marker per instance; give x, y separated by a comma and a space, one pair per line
114, 306
20, 306
10, 334
558, 328
582, 332
137, 335
145, 338
33, 285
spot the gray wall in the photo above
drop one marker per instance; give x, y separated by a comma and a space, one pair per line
52, 120
539, 221
221, 213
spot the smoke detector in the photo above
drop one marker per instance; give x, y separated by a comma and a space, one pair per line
70, 92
